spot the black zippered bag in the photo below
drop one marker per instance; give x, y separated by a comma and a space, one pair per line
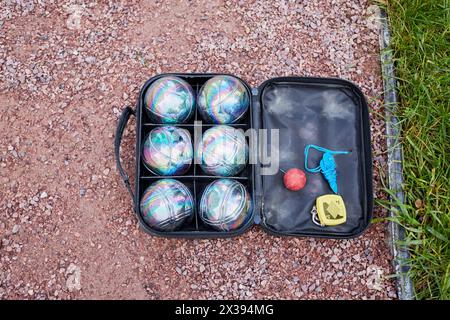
329, 112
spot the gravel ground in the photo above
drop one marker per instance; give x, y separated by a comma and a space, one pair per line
66, 226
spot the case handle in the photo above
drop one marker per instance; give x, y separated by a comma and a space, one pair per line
123, 120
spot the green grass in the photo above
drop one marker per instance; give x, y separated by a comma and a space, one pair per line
421, 42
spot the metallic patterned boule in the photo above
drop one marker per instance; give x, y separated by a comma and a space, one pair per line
166, 204
223, 99
225, 205
169, 100
223, 151
168, 151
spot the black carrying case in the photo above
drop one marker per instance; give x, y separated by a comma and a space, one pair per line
328, 112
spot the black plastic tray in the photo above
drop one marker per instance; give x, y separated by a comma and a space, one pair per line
329, 112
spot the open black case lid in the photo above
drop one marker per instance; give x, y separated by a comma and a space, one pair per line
328, 112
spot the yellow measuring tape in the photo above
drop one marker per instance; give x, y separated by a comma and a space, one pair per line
329, 210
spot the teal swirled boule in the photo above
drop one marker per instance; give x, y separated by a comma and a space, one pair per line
223, 99
168, 151
223, 151
225, 205
166, 204
169, 100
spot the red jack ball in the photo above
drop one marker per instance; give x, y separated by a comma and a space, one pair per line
294, 179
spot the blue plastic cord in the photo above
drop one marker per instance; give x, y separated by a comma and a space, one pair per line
327, 165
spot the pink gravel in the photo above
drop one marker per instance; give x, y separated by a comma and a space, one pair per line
67, 228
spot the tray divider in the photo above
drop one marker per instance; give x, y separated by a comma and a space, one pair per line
196, 118
195, 205
202, 177
195, 166
197, 90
